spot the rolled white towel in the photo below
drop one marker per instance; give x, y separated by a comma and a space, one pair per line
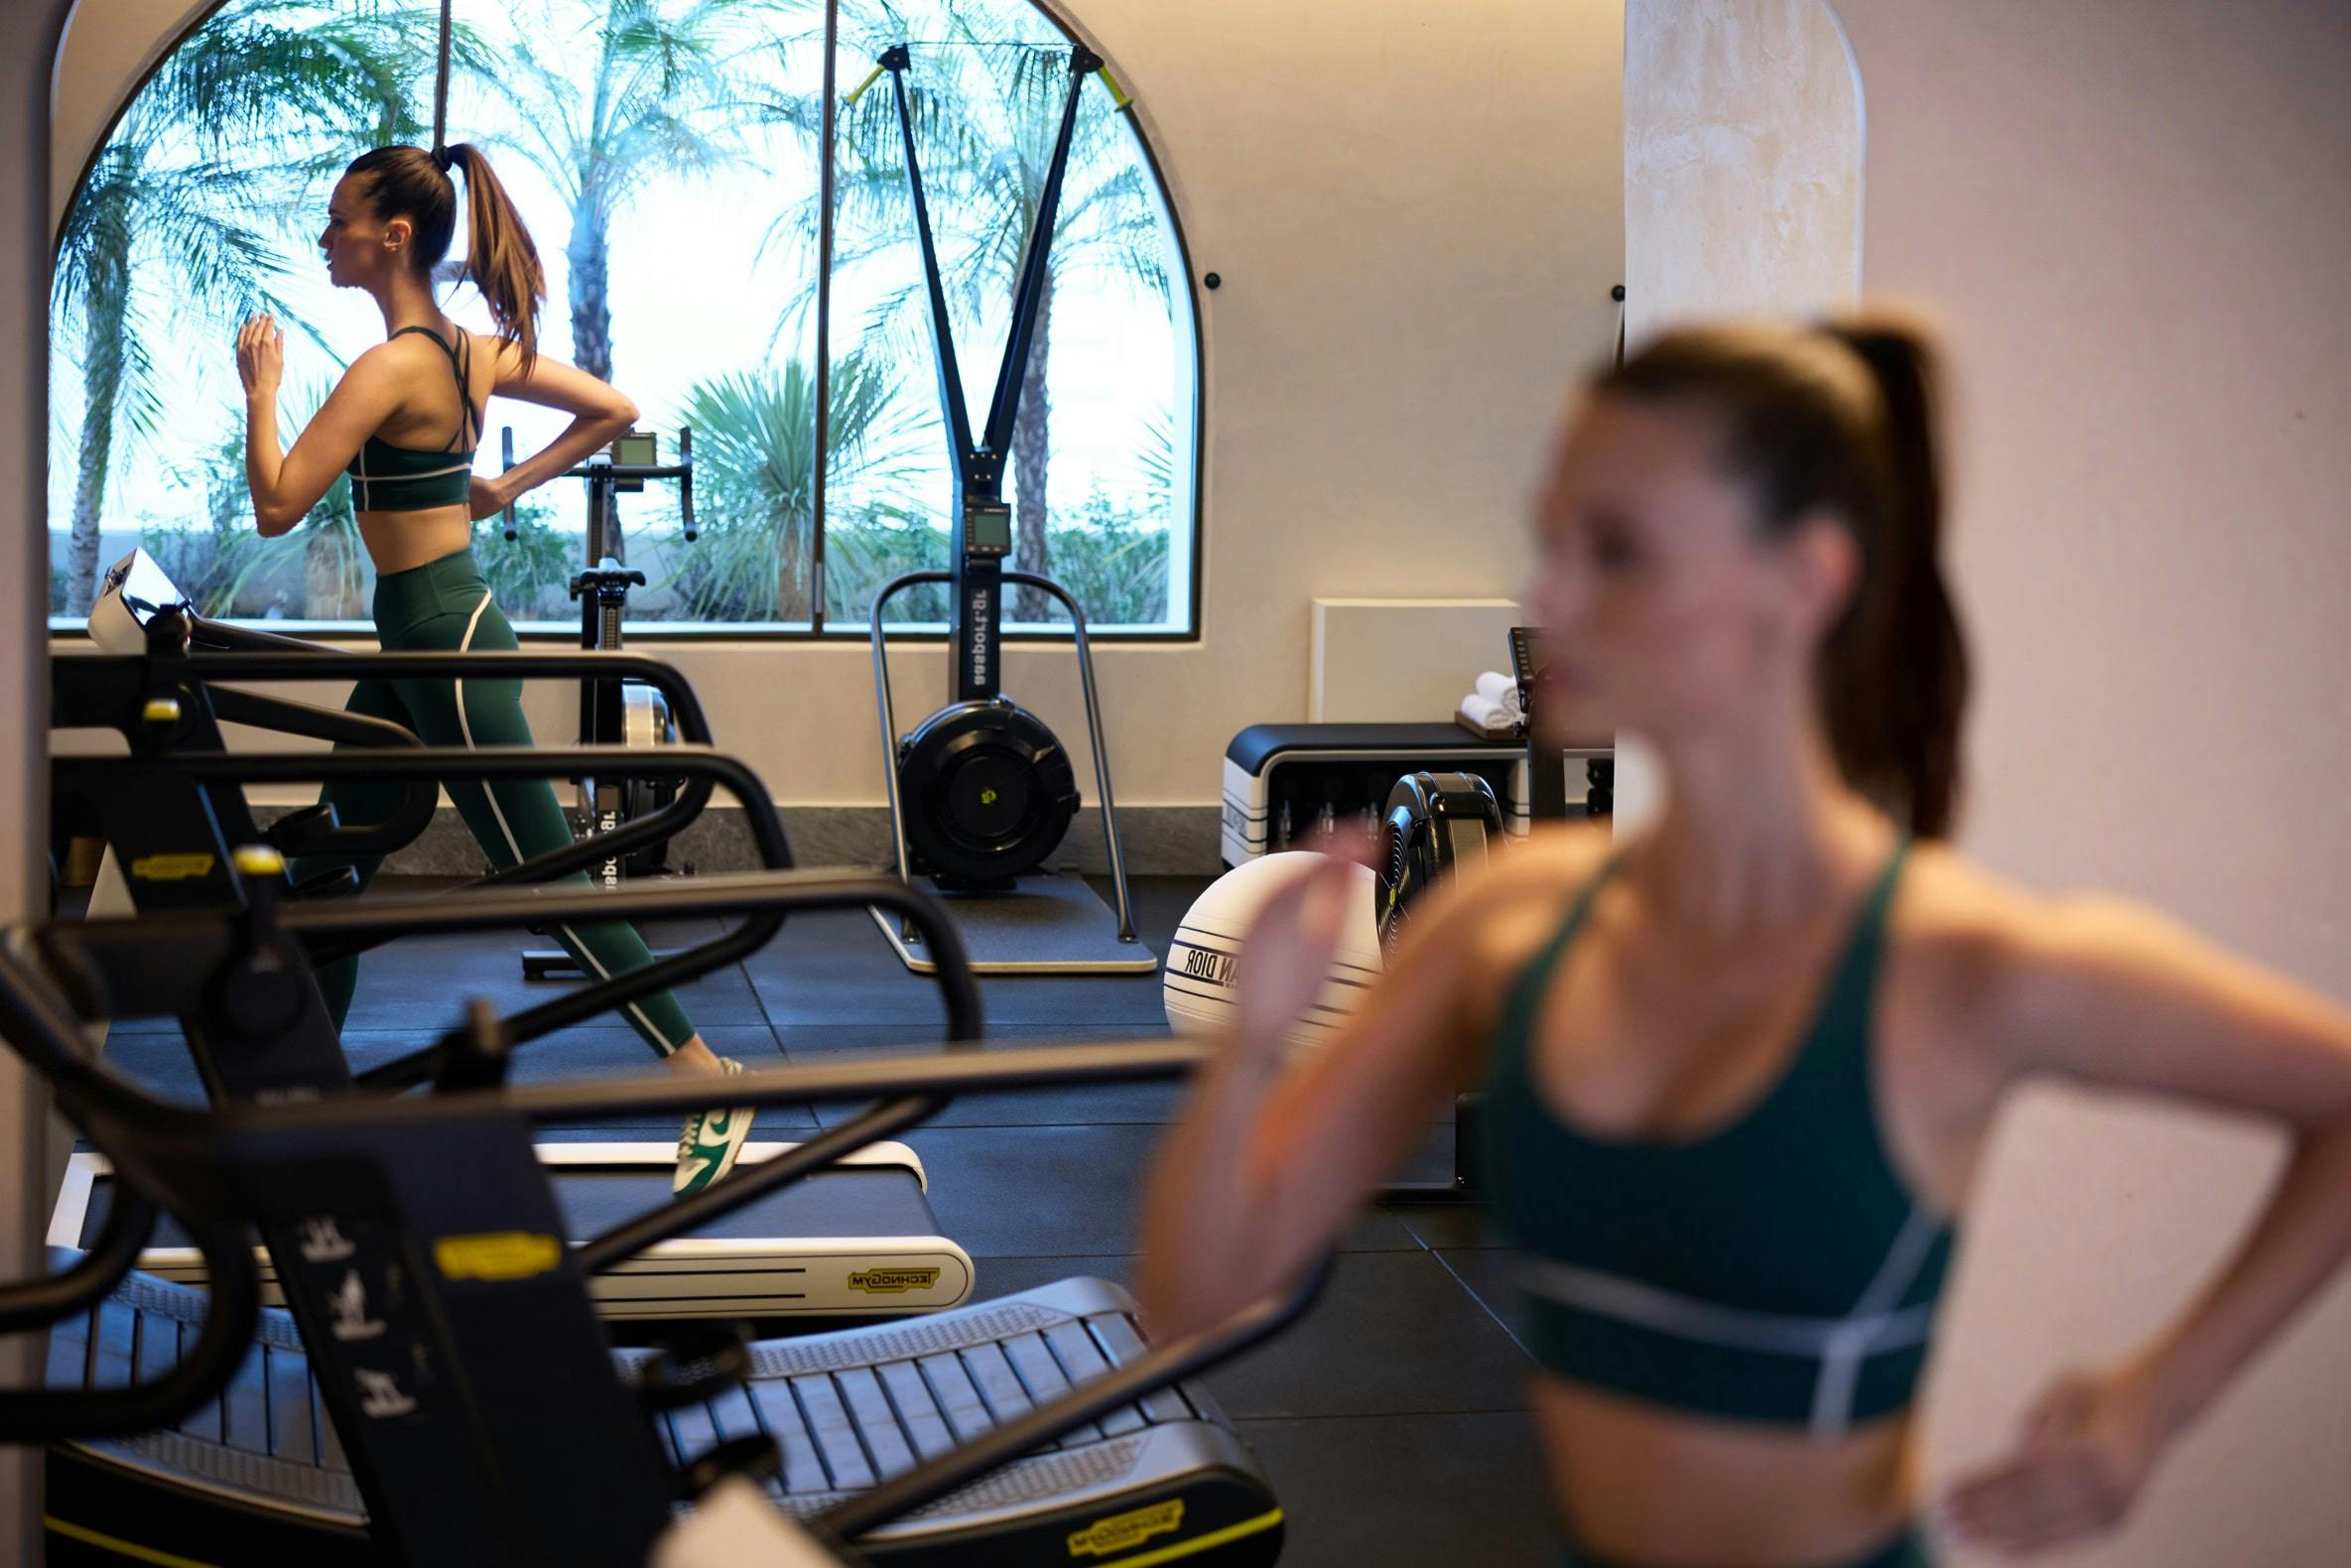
1487, 718
1501, 690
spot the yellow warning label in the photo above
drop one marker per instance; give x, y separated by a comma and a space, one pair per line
497, 1256
171, 867
893, 1282
1124, 1531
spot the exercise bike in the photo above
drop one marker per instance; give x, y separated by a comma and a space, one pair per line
982, 792
622, 712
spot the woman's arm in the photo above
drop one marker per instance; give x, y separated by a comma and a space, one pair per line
286, 484
2109, 995
599, 414
1275, 1150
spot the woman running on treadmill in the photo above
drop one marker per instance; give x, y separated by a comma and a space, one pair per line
1740, 1067
404, 421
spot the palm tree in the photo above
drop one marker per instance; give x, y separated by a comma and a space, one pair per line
234, 560
754, 434
986, 137
646, 106
153, 218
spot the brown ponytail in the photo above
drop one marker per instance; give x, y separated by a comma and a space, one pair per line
500, 258
1841, 421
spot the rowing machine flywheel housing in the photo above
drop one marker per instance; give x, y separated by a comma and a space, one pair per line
987, 792
645, 722
1434, 823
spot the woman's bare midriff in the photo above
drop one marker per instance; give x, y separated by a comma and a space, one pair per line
398, 540
1637, 1483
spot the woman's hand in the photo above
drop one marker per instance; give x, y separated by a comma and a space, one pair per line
484, 497
2088, 1447
261, 358
1284, 961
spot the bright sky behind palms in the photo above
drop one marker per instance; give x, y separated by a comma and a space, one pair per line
694, 296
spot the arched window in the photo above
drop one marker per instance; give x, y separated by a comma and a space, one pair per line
663, 153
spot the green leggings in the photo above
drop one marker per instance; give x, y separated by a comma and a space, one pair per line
445, 607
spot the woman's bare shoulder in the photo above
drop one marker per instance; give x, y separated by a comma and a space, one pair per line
1961, 931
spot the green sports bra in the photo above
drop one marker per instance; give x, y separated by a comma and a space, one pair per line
1777, 1270
389, 479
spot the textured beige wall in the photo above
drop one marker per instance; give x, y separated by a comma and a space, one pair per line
1743, 189
1743, 160
2132, 215
1416, 212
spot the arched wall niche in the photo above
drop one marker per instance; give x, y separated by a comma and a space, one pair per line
109, 48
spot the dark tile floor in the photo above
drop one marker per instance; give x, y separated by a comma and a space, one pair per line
1392, 1420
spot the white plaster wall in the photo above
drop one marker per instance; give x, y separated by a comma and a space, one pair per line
2132, 217
1416, 212
109, 47
27, 38
1742, 161
1743, 192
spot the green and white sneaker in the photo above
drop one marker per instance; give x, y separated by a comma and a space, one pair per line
709, 1142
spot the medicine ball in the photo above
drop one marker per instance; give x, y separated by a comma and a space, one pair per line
1197, 982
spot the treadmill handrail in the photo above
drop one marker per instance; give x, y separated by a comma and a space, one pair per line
522, 664
700, 766
208, 635
882, 1075
1158, 1367
38, 1024
764, 896
37, 1303
161, 1144
282, 716
303, 662
232, 1316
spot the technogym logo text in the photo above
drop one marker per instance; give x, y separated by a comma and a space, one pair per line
171, 867
1124, 1531
979, 638
893, 1282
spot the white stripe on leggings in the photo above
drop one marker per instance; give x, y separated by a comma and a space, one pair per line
464, 729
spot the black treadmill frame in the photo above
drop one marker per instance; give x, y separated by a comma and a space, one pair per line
484, 1467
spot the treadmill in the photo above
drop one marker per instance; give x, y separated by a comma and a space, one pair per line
436, 1389
855, 1241
259, 1475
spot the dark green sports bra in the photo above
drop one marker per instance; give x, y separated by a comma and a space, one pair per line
1778, 1270
389, 479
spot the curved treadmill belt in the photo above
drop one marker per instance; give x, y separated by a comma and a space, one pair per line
258, 1475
